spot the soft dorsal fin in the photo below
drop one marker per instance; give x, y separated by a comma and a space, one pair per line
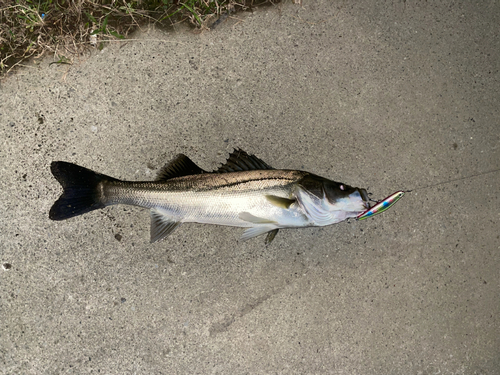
239, 160
179, 166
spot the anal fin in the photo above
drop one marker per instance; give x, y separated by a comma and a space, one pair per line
161, 225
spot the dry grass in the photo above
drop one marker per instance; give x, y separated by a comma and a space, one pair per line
31, 28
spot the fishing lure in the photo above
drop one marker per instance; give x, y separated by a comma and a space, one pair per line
381, 206
388, 202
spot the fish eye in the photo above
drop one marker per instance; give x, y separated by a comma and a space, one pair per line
342, 187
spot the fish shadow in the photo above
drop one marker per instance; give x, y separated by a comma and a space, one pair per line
224, 324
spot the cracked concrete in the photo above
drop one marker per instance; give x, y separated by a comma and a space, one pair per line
399, 95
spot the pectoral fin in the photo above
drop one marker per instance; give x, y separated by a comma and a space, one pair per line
280, 202
161, 225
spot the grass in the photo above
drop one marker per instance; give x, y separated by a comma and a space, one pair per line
32, 28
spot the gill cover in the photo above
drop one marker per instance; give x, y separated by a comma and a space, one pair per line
327, 202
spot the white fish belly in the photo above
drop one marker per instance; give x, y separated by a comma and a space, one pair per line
224, 208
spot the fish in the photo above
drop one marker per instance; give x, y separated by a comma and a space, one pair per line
382, 206
243, 192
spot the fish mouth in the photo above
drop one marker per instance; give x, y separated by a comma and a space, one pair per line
365, 198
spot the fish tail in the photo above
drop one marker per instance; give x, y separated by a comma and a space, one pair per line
82, 190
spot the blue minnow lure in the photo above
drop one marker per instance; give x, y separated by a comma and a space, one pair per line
381, 206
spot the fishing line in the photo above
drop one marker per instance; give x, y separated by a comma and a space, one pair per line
443, 182
453, 180
389, 201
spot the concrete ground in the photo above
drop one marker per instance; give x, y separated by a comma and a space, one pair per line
386, 96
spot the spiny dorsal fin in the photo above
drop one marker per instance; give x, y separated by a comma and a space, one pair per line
179, 166
239, 160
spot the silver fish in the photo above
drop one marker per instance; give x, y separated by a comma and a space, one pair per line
244, 192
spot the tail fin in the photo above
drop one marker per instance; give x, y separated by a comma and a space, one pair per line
82, 192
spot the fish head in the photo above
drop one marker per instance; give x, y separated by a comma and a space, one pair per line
346, 197
327, 202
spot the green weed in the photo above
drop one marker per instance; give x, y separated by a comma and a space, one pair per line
32, 28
